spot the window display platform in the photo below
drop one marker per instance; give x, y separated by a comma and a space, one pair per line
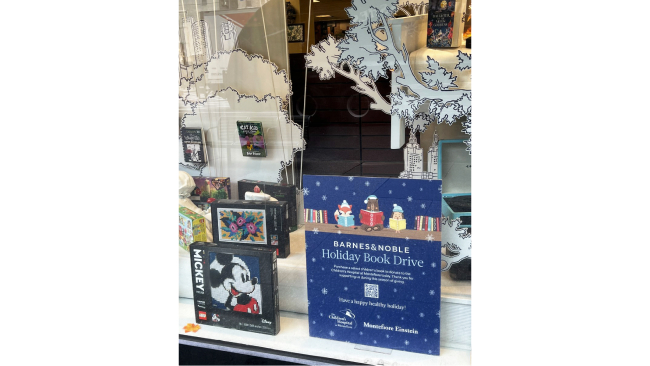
455, 299
293, 344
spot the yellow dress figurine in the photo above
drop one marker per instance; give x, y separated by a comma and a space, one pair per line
397, 221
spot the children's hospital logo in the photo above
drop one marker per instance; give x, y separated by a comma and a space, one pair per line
345, 319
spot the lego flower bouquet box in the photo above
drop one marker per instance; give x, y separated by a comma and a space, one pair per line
252, 223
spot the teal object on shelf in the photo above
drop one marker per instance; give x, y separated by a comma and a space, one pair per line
454, 168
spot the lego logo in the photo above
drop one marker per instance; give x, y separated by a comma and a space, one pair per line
202, 315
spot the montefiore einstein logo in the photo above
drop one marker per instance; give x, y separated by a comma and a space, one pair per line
345, 319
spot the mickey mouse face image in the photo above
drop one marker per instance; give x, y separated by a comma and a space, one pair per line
232, 284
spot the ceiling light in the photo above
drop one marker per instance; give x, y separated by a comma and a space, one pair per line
323, 16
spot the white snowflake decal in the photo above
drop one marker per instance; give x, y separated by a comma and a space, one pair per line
375, 342
378, 317
406, 342
394, 290
350, 179
429, 351
367, 183
409, 198
331, 333
336, 188
407, 238
425, 339
321, 314
436, 330
345, 288
402, 318
305, 191
429, 238
421, 189
390, 191
387, 336
324, 197
440, 189
404, 184
322, 268
354, 193
421, 315
324, 291
433, 264
317, 184
360, 333
438, 313
313, 259
311, 280
423, 206
315, 230
424, 273
313, 322
431, 292
412, 297
339, 231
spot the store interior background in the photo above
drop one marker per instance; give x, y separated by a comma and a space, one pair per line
339, 142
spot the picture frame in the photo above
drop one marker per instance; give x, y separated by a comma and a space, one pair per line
296, 32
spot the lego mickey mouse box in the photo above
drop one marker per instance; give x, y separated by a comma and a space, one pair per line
235, 287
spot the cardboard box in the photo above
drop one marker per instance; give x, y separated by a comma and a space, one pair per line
380, 288
235, 287
191, 227
279, 191
252, 223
